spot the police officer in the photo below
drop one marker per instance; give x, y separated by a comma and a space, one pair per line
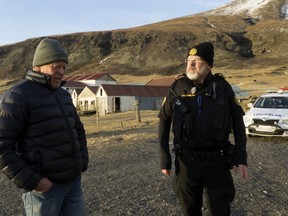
203, 111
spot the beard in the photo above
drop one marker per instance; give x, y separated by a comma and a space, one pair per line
198, 75
193, 76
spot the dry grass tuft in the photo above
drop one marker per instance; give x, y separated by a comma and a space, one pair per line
121, 127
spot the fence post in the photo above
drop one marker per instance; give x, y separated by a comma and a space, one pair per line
97, 118
138, 116
97, 115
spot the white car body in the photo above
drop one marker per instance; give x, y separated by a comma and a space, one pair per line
268, 116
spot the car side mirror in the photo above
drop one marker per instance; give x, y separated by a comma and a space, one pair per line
249, 105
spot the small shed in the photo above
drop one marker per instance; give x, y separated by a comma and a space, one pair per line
74, 88
87, 100
121, 98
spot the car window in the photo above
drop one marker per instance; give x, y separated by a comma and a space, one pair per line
272, 102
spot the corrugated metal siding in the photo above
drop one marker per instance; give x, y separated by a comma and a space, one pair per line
146, 103
127, 103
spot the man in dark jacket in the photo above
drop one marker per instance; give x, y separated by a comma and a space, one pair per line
43, 147
203, 110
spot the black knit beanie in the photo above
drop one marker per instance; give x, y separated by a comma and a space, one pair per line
204, 50
48, 51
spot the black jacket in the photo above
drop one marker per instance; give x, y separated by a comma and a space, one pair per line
41, 134
203, 131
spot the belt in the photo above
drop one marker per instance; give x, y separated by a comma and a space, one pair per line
202, 155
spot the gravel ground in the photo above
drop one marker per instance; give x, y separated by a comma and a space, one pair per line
124, 178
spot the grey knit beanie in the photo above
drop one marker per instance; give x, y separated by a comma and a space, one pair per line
48, 51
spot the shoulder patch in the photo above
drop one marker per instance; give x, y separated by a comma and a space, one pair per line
179, 76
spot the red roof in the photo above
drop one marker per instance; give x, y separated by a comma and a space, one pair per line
166, 81
74, 84
135, 90
86, 77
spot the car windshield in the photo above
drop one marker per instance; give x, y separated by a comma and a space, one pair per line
272, 102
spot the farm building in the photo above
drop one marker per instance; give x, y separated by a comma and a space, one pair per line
120, 98
74, 88
76, 84
87, 100
75, 96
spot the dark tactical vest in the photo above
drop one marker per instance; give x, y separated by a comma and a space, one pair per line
201, 119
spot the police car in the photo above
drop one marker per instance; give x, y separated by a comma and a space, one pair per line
268, 116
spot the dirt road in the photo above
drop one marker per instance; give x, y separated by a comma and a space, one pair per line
124, 177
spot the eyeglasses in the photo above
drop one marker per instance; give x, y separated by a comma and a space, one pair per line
194, 61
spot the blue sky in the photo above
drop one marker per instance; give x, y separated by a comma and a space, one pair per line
23, 19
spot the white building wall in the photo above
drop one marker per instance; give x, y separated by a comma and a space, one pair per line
106, 104
102, 106
87, 100
101, 102
74, 98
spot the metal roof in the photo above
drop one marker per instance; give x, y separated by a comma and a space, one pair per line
135, 90
93, 89
86, 77
78, 91
166, 81
74, 84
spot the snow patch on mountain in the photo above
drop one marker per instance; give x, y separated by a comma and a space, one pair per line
236, 7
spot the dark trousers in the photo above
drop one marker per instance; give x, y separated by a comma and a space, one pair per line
192, 176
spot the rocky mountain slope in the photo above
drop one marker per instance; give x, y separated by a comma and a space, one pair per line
243, 38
